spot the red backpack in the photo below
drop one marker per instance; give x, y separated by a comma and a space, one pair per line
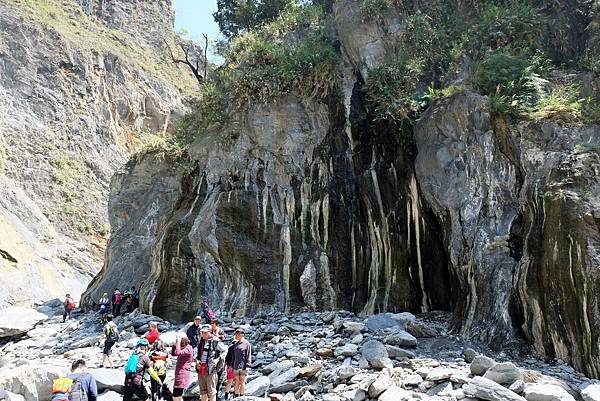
70, 303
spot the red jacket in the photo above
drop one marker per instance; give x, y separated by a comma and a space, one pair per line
152, 336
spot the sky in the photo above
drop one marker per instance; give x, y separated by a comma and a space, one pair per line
196, 17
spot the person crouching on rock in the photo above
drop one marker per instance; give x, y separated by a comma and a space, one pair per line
104, 307
185, 356
208, 362
242, 358
69, 306
137, 365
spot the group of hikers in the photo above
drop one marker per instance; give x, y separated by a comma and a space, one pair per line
130, 299
201, 349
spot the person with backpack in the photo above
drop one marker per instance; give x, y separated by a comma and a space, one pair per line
117, 300
69, 306
242, 358
137, 365
104, 307
77, 386
185, 356
209, 360
111, 336
160, 360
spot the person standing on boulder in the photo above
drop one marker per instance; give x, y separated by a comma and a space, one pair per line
111, 336
69, 306
209, 358
242, 358
185, 356
117, 300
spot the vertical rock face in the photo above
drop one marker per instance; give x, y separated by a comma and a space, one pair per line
304, 204
519, 210
77, 95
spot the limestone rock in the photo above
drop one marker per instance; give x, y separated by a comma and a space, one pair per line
546, 392
382, 383
108, 378
419, 329
16, 321
481, 364
504, 373
383, 321
590, 391
32, 382
395, 393
402, 339
373, 349
346, 350
486, 389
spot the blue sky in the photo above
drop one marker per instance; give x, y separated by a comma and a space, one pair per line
196, 17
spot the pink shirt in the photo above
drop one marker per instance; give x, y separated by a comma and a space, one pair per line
185, 356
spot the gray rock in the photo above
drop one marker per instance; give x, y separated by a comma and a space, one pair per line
419, 329
383, 321
469, 354
34, 382
402, 339
517, 387
373, 349
110, 396
439, 373
108, 379
357, 394
346, 350
16, 321
504, 373
396, 352
382, 383
289, 386
546, 392
285, 376
442, 389
395, 393
590, 391
481, 364
382, 363
346, 372
486, 389
412, 380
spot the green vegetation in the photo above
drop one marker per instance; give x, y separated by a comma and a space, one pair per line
238, 16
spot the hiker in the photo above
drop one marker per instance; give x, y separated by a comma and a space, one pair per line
207, 313
77, 386
129, 307
117, 300
69, 306
208, 362
137, 365
229, 368
192, 331
216, 330
242, 358
160, 360
104, 307
111, 336
185, 356
153, 334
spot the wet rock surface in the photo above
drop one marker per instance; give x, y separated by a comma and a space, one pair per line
291, 367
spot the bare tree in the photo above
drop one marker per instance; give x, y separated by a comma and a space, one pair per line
187, 49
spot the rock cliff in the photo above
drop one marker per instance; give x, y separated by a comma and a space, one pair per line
298, 203
81, 84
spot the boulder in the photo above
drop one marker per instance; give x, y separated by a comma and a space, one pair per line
504, 373
401, 338
412, 380
382, 363
442, 389
357, 394
310, 370
108, 379
395, 393
469, 354
404, 317
438, 374
328, 317
396, 352
289, 386
382, 383
481, 364
353, 327
590, 391
346, 350
419, 329
487, 389
346, 372
518, 386
285, 376
16, 321
34, 382
383, 321
546, 392
373, 349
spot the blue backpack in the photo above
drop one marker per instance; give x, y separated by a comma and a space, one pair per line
132, 364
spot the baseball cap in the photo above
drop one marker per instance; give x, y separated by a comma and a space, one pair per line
205, 328
240, 330
198, 318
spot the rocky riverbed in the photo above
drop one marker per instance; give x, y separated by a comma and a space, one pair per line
333, 356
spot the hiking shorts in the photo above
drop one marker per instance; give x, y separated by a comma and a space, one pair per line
240, 374
107, 347
230, 375
208, 384
177, 391
139, 391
